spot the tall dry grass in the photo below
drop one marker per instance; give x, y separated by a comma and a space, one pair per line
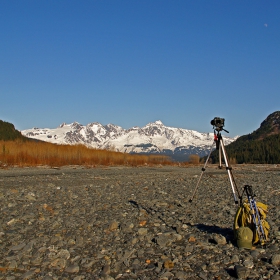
194, 159
19, 153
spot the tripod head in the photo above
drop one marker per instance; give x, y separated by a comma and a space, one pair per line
218, 124
221, 129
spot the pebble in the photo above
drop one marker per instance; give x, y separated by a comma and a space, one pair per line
275, 259
235, 259
241, 272
142, 231
248, 263
255, 254
72, 269
219, 239
123, 223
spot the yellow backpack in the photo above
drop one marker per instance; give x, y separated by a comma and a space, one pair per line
243, 218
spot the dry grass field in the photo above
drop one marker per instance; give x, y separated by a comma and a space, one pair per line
24, 153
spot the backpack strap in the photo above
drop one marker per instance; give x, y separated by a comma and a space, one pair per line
236, 223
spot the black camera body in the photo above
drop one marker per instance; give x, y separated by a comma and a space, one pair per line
218, 122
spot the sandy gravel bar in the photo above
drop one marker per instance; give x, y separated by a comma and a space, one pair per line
132, 223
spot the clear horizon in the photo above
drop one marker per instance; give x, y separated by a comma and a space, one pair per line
131, 63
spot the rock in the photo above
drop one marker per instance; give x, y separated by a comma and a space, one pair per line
28, 275
255, 254
166, 275
106, 270
127, 227
235, 259
275, 260
13, 264
79, 277
212, 268
166, 239
180, 275
18, 247
248, 264
12, 221
192, 239
203, 275
28, 248
219, 239
58, 263
64, 254
168, 264
241, 271
72, 268
274, 248
107, 277
189, 248
142, 231
31, 196
113, 225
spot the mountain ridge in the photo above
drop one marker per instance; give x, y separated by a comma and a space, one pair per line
153, 138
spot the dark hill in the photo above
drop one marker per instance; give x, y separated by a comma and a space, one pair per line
270, 126
261, 146
9, 133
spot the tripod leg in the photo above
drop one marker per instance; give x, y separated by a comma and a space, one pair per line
220, 155
231, 179
203, 169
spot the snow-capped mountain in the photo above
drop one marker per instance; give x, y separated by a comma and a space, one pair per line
152, 138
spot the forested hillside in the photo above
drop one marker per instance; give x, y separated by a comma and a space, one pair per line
8, 132
261, 146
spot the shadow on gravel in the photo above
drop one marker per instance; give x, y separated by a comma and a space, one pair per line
231, 272
150, 211
139, 206
226, 232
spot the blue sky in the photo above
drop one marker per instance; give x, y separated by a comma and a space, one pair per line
130, 62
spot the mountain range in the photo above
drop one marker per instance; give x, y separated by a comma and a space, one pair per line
153, 138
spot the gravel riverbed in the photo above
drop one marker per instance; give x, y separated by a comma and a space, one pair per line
132, 223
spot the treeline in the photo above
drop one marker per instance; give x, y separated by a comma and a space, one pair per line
253, 149
8, 132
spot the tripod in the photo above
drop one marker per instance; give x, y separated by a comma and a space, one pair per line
218, 141
254, 212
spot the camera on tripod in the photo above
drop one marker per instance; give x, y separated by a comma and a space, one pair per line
218, 122
218, 125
